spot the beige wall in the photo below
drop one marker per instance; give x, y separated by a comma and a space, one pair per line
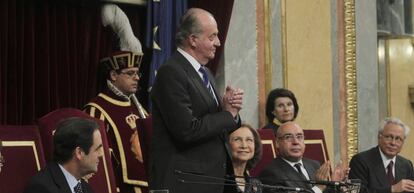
308, 63
401, 74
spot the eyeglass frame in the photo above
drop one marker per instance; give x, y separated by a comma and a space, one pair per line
391, 138
132, 74
291, 137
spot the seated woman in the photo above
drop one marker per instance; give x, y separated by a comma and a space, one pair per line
246, 151
281, 106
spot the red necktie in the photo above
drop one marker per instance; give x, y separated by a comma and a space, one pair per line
390, 174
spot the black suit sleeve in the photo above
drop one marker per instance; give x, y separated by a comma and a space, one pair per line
360, 170
176, 98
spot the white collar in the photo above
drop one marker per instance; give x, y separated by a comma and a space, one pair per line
72, 181
386, 160
190, 59
293, 163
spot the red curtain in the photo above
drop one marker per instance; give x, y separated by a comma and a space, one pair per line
49, 52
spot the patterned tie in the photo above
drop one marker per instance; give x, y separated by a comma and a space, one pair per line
78, 188
298, 168
390, 175
206, 81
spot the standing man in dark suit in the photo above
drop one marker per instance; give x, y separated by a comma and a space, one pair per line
290, 168
77, 147
191, 120
381, 169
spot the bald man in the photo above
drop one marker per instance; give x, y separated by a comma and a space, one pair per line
290, 168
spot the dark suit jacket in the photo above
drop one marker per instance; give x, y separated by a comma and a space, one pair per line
280, 173
368, 167
190, 130
51, 180
272, 126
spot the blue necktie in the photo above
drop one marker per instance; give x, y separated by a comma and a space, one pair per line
78, 188
206, 81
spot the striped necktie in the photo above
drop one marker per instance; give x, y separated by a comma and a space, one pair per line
78, 188
206, 81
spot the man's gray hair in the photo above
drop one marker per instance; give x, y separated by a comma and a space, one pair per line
393, 120
189, 24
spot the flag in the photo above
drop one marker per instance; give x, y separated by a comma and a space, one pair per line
163, 17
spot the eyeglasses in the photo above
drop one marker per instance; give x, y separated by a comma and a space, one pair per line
291, 137
132, 73
390, 138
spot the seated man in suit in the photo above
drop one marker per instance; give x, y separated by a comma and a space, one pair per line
380, 168
290, 168
77, 148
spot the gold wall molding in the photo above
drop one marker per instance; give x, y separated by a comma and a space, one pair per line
284, 42
350, 79
267, 46
262, 75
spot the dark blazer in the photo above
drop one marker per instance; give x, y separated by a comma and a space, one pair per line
369, 168
189, 131
51, 180
280, 173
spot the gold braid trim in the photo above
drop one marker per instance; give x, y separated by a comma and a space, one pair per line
350, 79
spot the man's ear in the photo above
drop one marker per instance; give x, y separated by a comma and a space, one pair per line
78, 153
192, 39
113, 75
277, 143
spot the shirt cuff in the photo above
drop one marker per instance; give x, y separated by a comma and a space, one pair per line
316, 189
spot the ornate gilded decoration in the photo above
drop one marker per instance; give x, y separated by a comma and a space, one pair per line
267, 46
350, 79
122, 59
284, 42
